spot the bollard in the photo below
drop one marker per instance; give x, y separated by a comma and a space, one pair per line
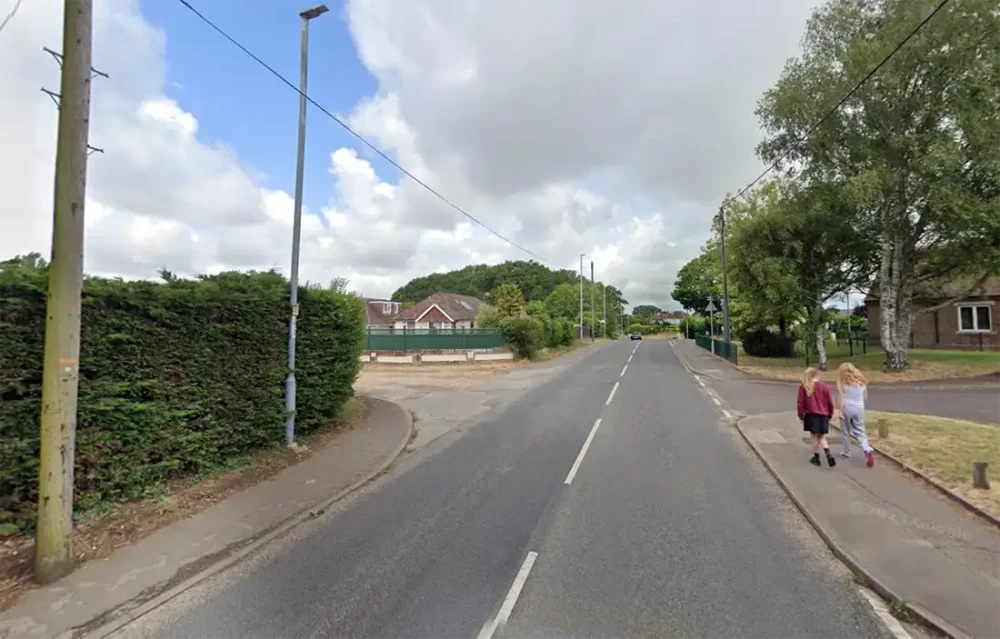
883, 429
979, 478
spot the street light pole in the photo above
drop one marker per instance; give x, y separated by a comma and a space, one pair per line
581, 296
300, 160
725, 282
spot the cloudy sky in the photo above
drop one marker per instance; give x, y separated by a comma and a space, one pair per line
570, 126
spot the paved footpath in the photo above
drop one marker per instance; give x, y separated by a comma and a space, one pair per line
102, 590
915, 544
912, 542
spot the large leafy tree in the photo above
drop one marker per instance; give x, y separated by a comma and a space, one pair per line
917, 148
794, 247
699, 281
645, 312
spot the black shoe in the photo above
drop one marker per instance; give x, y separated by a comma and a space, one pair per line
830, 460
814, 460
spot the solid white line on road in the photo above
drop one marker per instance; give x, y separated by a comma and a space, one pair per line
583, 451
883, 613
612, 395
511, 599
623, 371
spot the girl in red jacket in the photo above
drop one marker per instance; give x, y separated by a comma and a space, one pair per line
815, 412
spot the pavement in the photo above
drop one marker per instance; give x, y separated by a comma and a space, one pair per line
914, 545
751, 395
137, 576
602, 494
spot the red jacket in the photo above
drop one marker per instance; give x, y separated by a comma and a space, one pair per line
819, 403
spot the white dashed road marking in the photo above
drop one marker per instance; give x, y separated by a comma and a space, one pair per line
583, 451
511, 599
612, 395
623, 370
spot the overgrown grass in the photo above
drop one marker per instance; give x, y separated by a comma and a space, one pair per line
552, 352
944, 449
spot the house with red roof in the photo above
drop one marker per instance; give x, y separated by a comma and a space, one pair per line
439, 311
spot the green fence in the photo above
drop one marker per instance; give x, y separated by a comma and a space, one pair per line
725, 350
409, 339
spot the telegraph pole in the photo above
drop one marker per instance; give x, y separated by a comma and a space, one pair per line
725, 283
604, 292
581, 296
60, 378
593, 309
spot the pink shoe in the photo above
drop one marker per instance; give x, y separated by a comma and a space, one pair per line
870, 456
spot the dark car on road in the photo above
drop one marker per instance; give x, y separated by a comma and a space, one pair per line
637, 336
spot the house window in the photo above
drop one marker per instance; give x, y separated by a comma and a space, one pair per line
975, 318
386, 308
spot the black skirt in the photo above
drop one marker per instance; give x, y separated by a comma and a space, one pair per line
816, 424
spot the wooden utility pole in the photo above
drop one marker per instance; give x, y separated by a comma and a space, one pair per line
53, 552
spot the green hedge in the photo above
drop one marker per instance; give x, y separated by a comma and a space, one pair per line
175, 379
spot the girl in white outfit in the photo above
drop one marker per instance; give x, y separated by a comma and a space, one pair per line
853, 390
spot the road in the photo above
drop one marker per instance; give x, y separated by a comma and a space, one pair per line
667, 527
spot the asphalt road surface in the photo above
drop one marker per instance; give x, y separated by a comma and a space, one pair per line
534, 523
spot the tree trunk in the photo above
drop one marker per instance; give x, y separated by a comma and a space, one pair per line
895, 303
820, 333
782, 326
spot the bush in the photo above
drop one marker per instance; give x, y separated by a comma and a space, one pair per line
488, 317
175, 379
524, 335
763, 343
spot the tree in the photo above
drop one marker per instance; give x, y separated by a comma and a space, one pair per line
508, 301
645, 312
699, 281
916, 147
535, 308
794, 247
535, 280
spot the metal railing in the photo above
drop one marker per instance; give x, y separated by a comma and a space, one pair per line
725, 350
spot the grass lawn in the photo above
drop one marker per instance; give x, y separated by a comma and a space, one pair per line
944, 449
925, 364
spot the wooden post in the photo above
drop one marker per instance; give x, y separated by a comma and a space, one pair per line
883, 429
60, 377
979, 478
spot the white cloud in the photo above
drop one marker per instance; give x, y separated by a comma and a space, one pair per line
514, 110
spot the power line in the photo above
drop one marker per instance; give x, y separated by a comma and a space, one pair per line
17, 5
357, 135
844, 99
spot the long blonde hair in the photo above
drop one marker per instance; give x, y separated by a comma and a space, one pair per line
807, 380
850, 375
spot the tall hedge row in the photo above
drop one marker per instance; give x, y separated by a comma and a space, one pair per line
175, 378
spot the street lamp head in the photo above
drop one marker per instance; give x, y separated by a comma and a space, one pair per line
309, 14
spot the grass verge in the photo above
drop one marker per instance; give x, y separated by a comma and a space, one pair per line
925, 365
100, 531
943, 449
552, 352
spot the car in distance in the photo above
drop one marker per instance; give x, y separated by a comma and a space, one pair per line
634, 336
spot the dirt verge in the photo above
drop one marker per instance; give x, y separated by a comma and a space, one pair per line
123, 524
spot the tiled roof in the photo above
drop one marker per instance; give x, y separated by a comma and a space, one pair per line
949, 289
457, 307
376, 315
